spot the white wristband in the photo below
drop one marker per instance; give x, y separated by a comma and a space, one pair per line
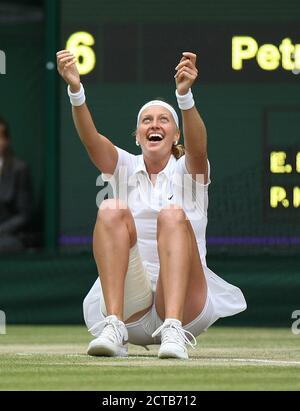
186, 101
77, 99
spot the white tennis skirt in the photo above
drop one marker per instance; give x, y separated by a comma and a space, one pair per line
223, 299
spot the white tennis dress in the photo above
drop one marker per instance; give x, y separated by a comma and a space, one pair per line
174, 185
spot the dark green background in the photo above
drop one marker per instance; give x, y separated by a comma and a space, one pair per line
233, 109
134, 67
50, 289
22, 95
242, 118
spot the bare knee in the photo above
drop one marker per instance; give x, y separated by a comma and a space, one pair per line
171, 217
112, 211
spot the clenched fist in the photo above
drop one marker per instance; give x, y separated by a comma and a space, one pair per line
66, 66
186, 72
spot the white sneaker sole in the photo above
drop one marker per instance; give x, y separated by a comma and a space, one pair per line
104, 349
168, 353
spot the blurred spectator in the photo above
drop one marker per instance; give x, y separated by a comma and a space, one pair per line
15, 195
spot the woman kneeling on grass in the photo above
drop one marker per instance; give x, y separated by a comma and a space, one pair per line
153, 286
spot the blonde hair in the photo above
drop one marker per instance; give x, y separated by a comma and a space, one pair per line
178, 151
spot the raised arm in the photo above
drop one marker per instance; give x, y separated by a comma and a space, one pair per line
100, 149
194, 131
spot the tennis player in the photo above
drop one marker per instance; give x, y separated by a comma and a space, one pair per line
154, 286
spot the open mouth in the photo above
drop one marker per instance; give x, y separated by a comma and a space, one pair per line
155, 137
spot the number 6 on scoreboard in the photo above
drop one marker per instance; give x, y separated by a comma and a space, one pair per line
79, 44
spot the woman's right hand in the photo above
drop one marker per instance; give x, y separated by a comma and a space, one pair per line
66, 66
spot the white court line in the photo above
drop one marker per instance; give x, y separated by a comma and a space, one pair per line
264, 361
250, 360
213, 360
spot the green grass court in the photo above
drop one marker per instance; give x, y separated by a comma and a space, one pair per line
53, 358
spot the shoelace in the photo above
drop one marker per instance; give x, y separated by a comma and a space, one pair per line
175, 333
110, 323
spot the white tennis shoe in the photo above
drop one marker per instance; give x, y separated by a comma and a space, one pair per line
113, 340
174, 339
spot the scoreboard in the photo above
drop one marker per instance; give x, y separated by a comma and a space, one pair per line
282, 173
247, 93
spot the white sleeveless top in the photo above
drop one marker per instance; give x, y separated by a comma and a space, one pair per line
174, 185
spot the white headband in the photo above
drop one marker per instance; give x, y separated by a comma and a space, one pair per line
158, 103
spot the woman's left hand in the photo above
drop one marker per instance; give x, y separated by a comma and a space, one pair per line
186, 72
